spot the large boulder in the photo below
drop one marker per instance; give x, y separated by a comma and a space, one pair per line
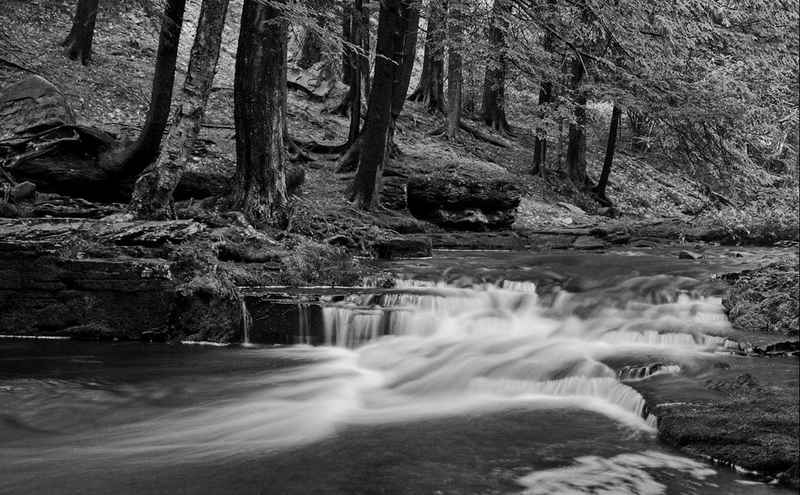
465, 196
31, 106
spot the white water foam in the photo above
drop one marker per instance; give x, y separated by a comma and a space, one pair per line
624, 474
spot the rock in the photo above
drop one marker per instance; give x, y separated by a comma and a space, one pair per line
475, 197
22, 191
403, 247
689, 255
571, 208
209, 308
765, 299
588, 242
30, 106
7, 210
248, 254
393, 193
478, 240
782, 347
608, 211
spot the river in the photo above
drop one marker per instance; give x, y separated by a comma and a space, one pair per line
476, 373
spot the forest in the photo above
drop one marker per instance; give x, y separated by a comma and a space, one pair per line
617, 178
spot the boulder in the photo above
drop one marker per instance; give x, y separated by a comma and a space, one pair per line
30, 106
475, 197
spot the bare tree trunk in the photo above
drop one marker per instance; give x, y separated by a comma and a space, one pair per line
454, 69
78, 44
494, 113
545, 97
613, 131
152, 195
259, 96
430, 90
144, 151
374, 139
404, 57
576, 145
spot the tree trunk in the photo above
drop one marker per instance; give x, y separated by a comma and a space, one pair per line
600, 189
144, 151
373, 142
494, 114
545, 97
576, 145
259, 95
153, 193
358, 27
405, 54
78, 44
454, 69
430, 90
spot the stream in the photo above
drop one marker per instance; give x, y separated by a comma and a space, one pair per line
474, 373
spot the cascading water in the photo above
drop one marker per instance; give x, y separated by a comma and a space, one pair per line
398, 365
495, 344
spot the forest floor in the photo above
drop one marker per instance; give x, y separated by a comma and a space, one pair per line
112, 93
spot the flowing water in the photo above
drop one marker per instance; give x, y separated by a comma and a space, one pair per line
443, 384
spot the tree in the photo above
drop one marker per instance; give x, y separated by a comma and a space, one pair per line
404, 56
454, 69
576, 144
144, 151
313, 44
373, 142
430, 90
493, 111
545, 97
152, 195
259, 114
613, 131
78, 44
355, 65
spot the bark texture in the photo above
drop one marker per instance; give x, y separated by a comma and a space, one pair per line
613, 131
454, 69
493, 112
374, 139
78, 44
259, 113
430, 90
153, 192
576, 145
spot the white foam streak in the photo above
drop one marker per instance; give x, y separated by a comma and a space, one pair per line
624, 474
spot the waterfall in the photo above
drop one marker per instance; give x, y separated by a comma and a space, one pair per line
247, 322
499, 343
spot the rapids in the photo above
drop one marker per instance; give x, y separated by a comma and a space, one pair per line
420, 357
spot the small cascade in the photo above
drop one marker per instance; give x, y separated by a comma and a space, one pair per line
636, 373
607, 389
303, 327
247, 322
495, 343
